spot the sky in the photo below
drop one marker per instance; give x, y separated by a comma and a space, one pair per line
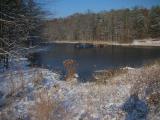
64, 8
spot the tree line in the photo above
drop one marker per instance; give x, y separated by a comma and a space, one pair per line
123, 25
20, 21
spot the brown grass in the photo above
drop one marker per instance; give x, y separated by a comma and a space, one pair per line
154, 99
12, 85
106, 76
147, 87
147, 79
21, 77
37, 77
151, 63
44, 106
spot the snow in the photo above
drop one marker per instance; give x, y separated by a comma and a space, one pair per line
147, 42
83, 100
90, 101
128, 68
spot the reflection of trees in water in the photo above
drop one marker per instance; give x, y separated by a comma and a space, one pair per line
135, 108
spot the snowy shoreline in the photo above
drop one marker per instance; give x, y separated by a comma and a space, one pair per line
136, 43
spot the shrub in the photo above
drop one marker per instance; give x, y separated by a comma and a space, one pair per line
70, 66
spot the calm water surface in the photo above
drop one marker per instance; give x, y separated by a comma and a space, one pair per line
92, 59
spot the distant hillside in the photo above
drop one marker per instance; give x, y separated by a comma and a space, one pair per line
123, 25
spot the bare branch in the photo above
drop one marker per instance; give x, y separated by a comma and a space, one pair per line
7, 21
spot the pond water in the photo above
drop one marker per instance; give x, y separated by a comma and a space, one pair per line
91, 58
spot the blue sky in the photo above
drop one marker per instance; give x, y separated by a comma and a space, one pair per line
63, 8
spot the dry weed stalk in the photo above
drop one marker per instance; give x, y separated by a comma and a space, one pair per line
12, 85
21, 77
37, 77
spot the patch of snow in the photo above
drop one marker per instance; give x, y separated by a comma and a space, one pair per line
128, 68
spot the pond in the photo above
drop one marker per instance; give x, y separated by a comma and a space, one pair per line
91, 58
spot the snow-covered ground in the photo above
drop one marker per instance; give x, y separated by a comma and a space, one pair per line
80, 100
148, 42
74, 100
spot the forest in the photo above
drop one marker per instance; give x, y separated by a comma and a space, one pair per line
123, 25
20, 22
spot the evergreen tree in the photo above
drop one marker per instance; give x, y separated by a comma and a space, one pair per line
154, 17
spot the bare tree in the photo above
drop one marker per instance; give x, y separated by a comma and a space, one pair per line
18, 23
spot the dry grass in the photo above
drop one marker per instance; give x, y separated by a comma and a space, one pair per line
21, 77
148, 79
11, 85
37, 77
43, 107
16, 82
154, 99
106, 76
151, 63
7, 115
147, 87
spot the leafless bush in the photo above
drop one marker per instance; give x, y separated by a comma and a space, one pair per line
70, 66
